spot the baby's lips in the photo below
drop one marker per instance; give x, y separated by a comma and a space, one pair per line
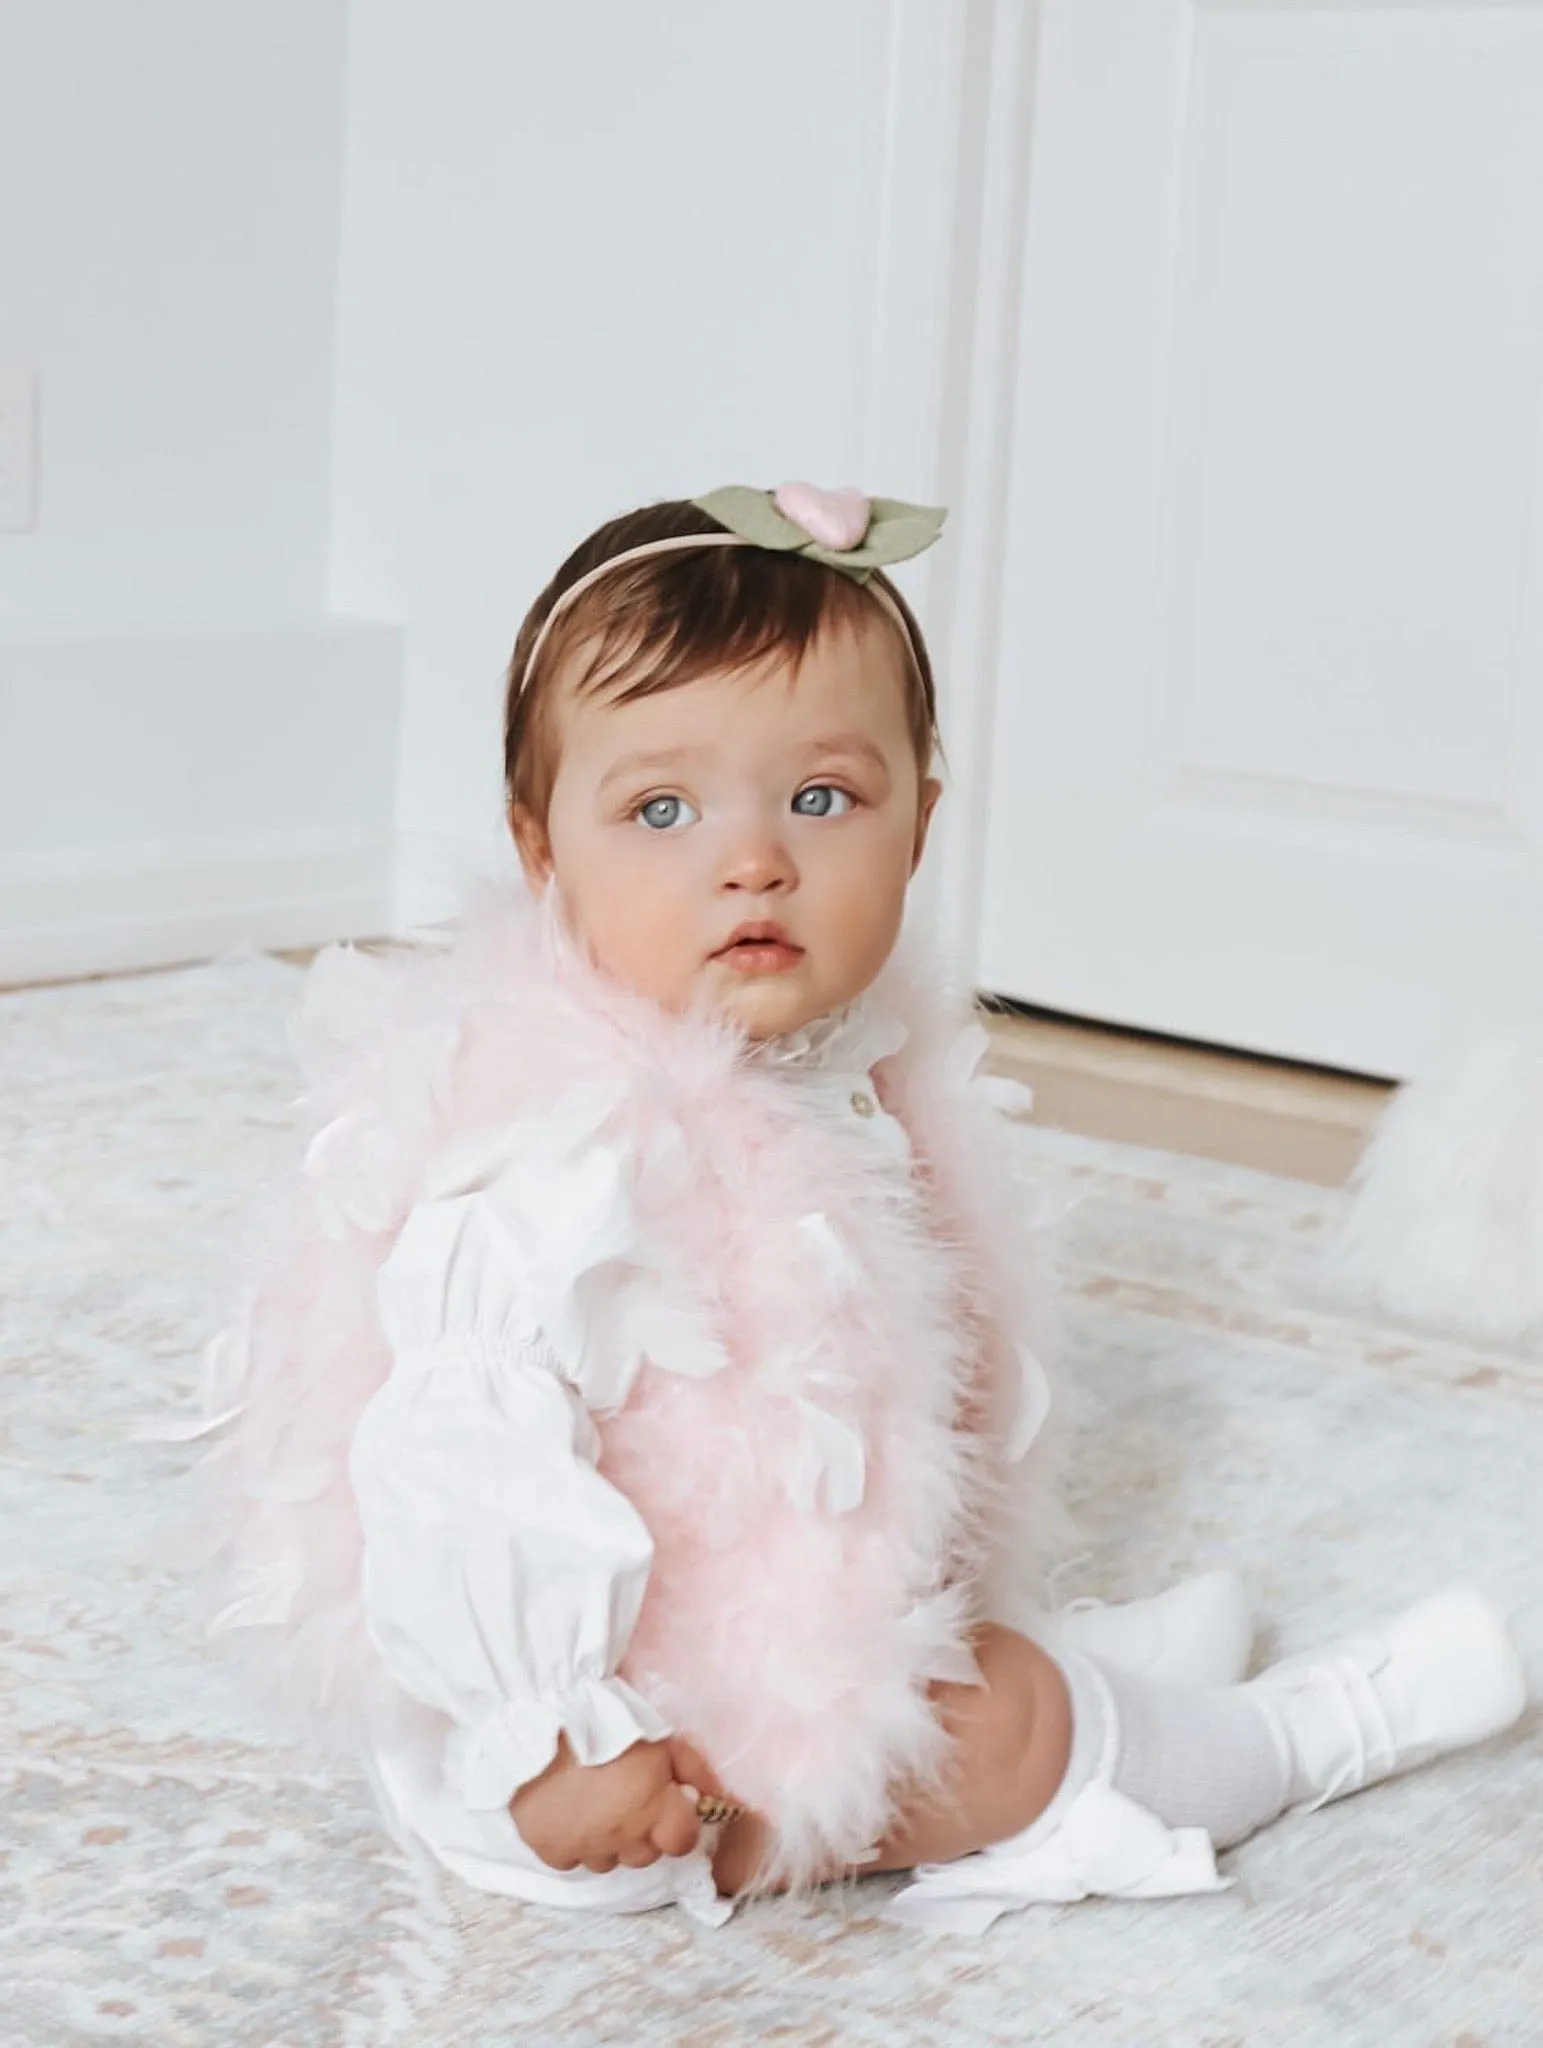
774, 939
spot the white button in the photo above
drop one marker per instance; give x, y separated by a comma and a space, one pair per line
863, 1104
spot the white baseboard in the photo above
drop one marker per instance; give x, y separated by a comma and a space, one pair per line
114, 911
169, 792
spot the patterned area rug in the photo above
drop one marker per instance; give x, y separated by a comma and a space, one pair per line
172, 1876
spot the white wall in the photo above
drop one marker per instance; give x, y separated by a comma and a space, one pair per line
181, 759
370, 311
592, 255
169, 172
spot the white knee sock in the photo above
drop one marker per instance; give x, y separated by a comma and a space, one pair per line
1212, 1757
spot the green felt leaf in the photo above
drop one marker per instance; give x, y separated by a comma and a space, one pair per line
896, 530
751, 514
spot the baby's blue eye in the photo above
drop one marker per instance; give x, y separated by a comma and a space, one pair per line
650, 812
822, 789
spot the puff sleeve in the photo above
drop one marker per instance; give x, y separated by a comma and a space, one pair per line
502, 1575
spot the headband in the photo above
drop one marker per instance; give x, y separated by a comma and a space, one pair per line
842, 529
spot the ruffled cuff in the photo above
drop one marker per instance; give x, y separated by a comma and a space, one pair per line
489, 1761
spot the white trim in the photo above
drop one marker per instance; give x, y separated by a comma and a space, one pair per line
115, 910
1003, 78
943, 369
906, 386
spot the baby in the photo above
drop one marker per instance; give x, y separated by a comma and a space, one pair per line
636, 1432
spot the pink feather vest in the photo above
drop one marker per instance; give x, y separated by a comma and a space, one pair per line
770, 1307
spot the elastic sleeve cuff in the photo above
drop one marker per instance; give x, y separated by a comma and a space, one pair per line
488, 1762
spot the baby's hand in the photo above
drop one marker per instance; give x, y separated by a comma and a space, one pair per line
631, 1811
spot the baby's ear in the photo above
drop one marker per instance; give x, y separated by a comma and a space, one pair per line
931, 790
531, 844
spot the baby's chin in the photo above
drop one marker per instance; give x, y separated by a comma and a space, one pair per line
760, 1005
770, 1005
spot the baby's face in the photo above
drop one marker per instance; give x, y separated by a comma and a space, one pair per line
767, 797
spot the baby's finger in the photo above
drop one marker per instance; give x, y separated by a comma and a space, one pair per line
676, 1829
600, 1862
639, 1855
690, 1767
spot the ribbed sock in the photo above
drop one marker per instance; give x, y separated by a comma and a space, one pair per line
1212, 1757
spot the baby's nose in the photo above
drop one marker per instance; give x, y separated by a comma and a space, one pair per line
759, 860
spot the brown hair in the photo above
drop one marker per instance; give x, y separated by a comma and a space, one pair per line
666, 619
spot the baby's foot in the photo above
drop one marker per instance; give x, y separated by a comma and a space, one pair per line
1439, 1677
1200, 1632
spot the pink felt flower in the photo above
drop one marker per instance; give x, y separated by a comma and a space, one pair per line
836, 519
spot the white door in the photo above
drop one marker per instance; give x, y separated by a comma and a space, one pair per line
1267, 757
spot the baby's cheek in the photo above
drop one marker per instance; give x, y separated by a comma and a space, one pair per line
646, 942
864, 914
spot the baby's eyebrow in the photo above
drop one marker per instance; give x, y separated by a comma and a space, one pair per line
668, 757
661, 757
848, 743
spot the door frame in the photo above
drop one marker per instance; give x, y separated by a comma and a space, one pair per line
943, 361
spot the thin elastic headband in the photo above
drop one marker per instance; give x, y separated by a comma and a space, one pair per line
672, 544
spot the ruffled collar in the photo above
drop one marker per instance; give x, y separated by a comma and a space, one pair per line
850, 1040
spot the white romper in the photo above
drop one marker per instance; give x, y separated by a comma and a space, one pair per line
519, 1639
